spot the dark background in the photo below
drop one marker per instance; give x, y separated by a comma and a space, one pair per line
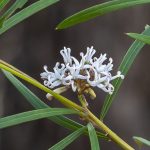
34, 43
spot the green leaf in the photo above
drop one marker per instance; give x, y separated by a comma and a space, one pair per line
140, 37
3, 3
37, 103
68, 140
93, 137
12, 9
33, 115
124, 67
140, 141
30, 97
98, 10
25, 13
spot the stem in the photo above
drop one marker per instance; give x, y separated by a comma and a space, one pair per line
114, 137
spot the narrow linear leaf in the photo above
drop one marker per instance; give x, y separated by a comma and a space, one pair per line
3, 3
93, 137
68, 140
33, 115
124, 67
140, 141
38, 104
17, 4
30, 97
98, 10
140, 37
25, 13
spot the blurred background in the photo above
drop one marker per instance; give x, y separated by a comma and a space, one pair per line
35, 42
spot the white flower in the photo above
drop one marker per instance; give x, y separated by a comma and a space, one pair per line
66, 55
87, 58
89, 71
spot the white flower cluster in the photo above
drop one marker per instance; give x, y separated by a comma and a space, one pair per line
93, 71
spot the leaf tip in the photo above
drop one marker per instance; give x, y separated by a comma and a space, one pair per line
127, 33
58, 27
139, 143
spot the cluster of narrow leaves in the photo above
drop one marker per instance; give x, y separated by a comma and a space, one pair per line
7, 20
19, 11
